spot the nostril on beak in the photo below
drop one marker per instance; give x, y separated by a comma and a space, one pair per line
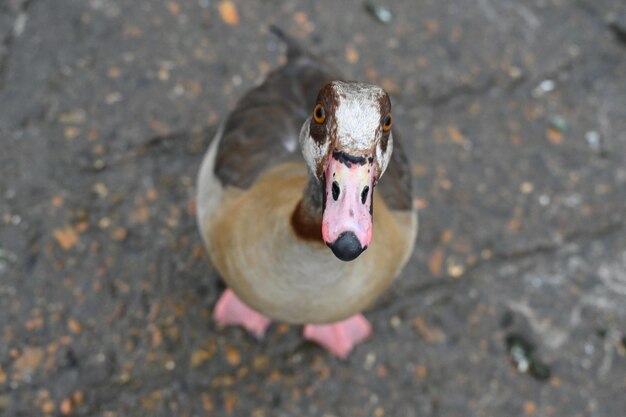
347, 247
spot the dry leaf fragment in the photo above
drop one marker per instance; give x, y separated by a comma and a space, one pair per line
207, 403
199, 356
66, 407
352, 55
29, 360
420, 203
48, 407
57, 201
229, 403
78, 397
456, 135
228, 12
232, 356
421, 371
435, 262
430, 334
119, 234
174, 8
530, 408
554, 136
66, 237
74, 326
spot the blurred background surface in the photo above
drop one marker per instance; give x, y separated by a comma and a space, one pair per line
513, 303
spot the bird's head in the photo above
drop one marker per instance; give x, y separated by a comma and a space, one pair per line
347, 144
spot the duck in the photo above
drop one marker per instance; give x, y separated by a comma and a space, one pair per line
285, 203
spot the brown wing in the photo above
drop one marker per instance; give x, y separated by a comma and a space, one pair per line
263, 129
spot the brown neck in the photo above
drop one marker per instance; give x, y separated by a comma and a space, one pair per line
306, 220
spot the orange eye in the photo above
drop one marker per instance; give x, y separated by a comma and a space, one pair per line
319, 114
387, 123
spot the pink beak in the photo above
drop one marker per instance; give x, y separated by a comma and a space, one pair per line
347, 219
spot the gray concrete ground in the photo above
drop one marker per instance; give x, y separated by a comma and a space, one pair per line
515, 113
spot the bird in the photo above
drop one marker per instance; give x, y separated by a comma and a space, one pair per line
304, 203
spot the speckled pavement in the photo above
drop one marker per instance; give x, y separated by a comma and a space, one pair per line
514, 303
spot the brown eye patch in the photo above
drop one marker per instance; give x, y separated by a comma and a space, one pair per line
384, 141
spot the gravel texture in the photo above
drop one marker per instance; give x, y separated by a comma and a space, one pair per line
514, 302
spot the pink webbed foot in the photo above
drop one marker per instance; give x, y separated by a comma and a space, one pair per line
341, 337
230, 310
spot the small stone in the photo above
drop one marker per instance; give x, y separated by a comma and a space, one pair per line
179, 90
104, 223
515, 73
454, 268
527, 187
558, 123
113, 98
6, 258
73, 117
544, 87
593, 139
71, 132
370, 360
100, 189
544, 199
382, 14
99, 164
237, 80
163, 74
114, 72
124, 378
170, 365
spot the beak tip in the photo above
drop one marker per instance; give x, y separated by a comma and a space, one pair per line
347, 247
